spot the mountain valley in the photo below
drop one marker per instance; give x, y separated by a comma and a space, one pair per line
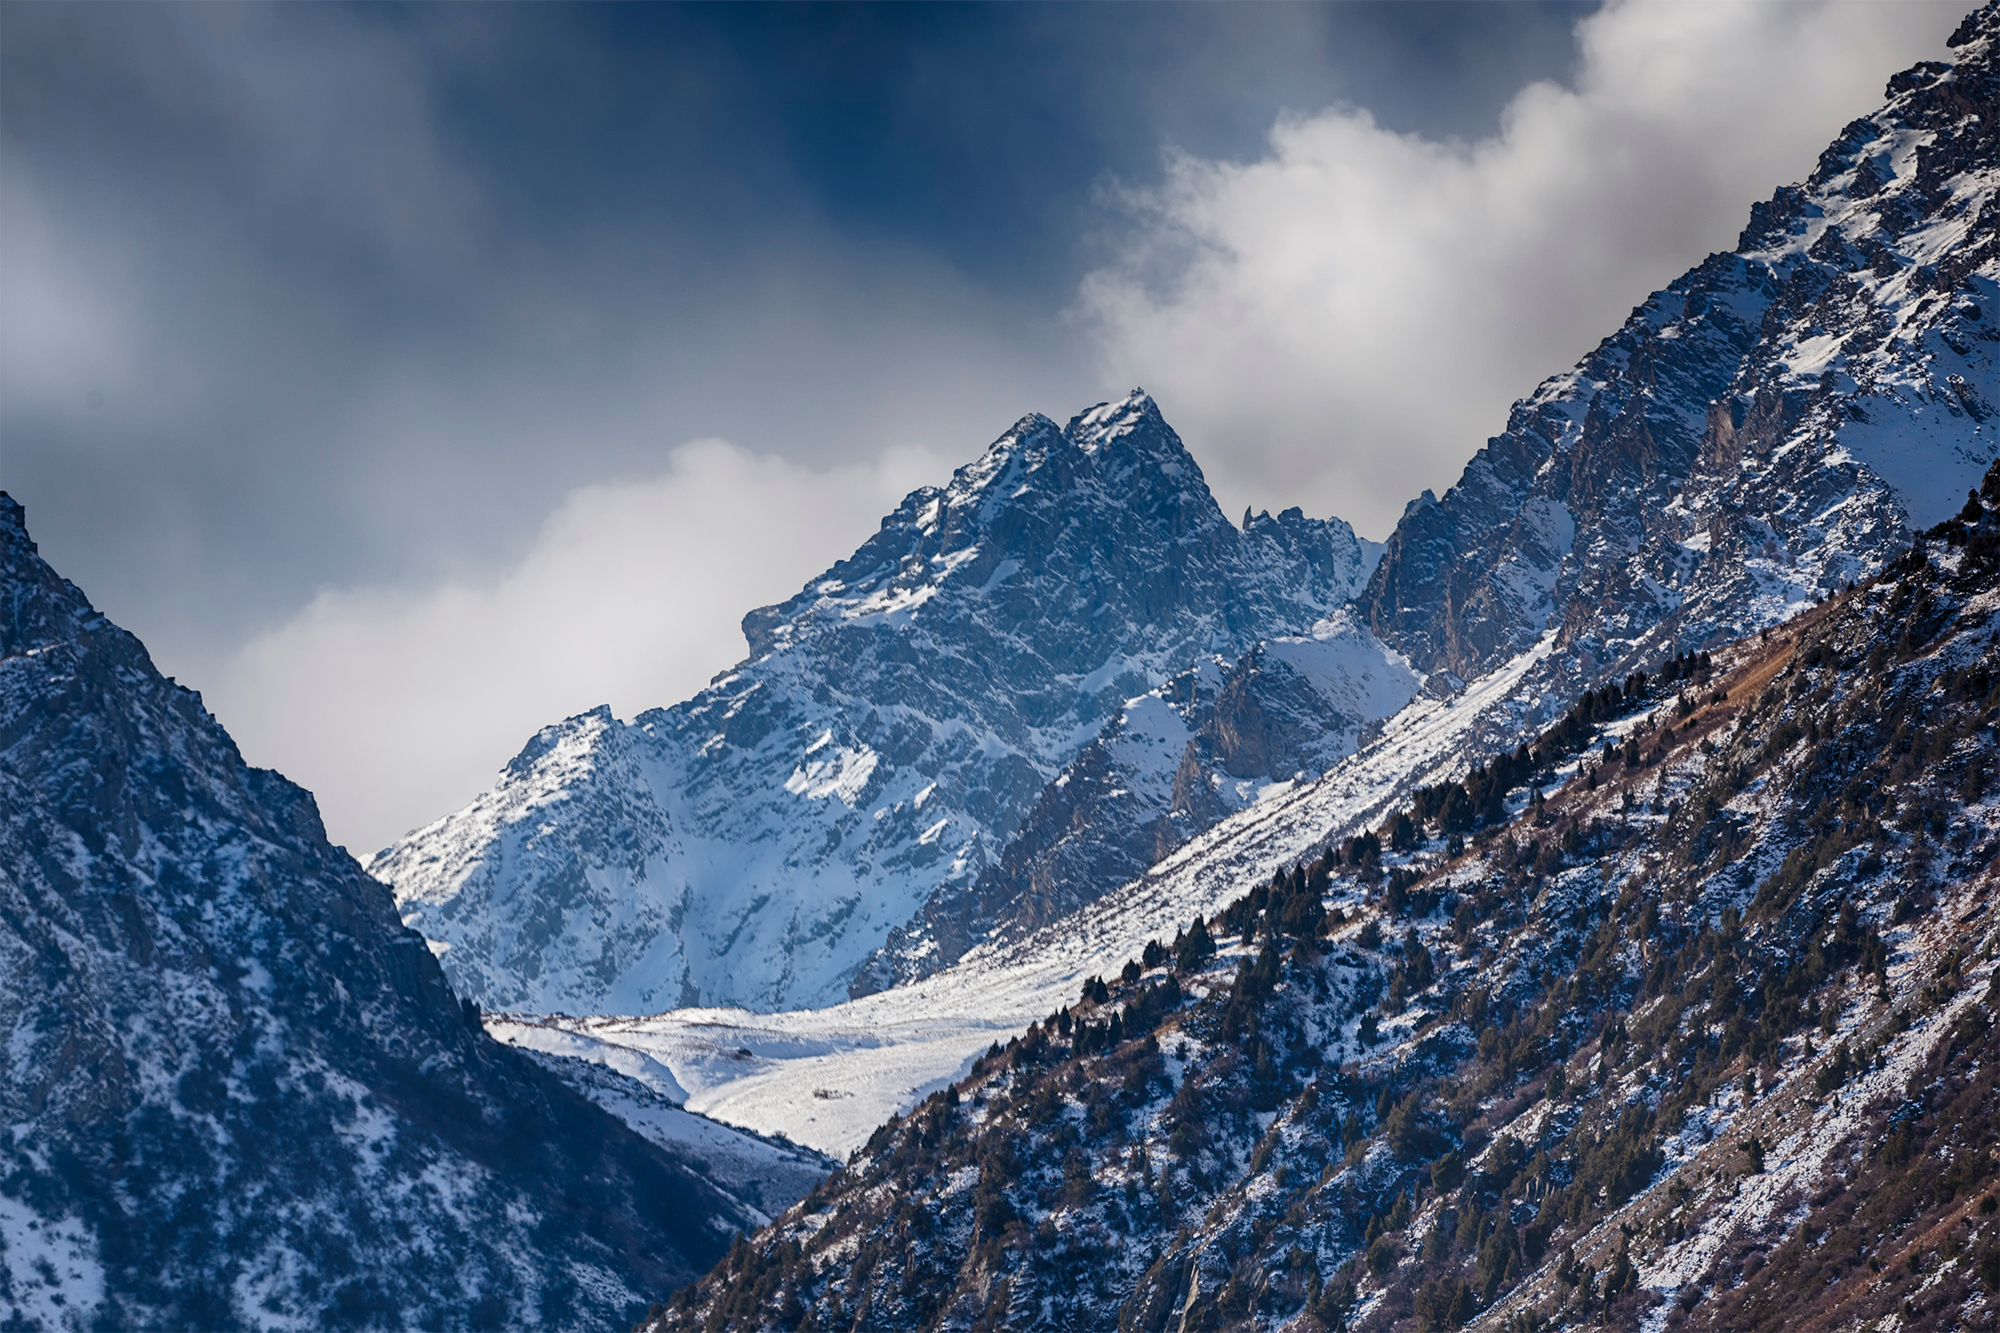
757, 845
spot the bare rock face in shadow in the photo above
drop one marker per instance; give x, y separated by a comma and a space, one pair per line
240, 1092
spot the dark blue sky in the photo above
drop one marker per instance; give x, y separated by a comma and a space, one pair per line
978, 132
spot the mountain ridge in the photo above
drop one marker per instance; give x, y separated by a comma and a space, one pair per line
1775, 504
757, 844
1776, 421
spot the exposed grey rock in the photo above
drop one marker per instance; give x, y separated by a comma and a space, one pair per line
1174, 762
1772, 424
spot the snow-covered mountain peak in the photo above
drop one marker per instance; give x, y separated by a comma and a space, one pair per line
891, 728
562, 742
1134, 414
996, 517
1018, 447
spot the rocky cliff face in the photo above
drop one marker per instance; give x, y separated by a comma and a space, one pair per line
1106, 817
1769, 426
893, 727
1290, 709
239, 1092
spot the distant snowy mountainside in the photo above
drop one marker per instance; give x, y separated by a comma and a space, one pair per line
1107, 816
827, 1077
894, 726
1174, 762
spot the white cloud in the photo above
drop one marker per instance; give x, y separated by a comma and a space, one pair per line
397, 706
1345, 321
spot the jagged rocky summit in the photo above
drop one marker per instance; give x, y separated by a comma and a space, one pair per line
895, 723
237, 1091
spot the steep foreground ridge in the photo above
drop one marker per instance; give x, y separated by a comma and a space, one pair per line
237, 1091
1679, 1016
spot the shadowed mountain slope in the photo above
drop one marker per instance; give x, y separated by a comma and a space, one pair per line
239, 1092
